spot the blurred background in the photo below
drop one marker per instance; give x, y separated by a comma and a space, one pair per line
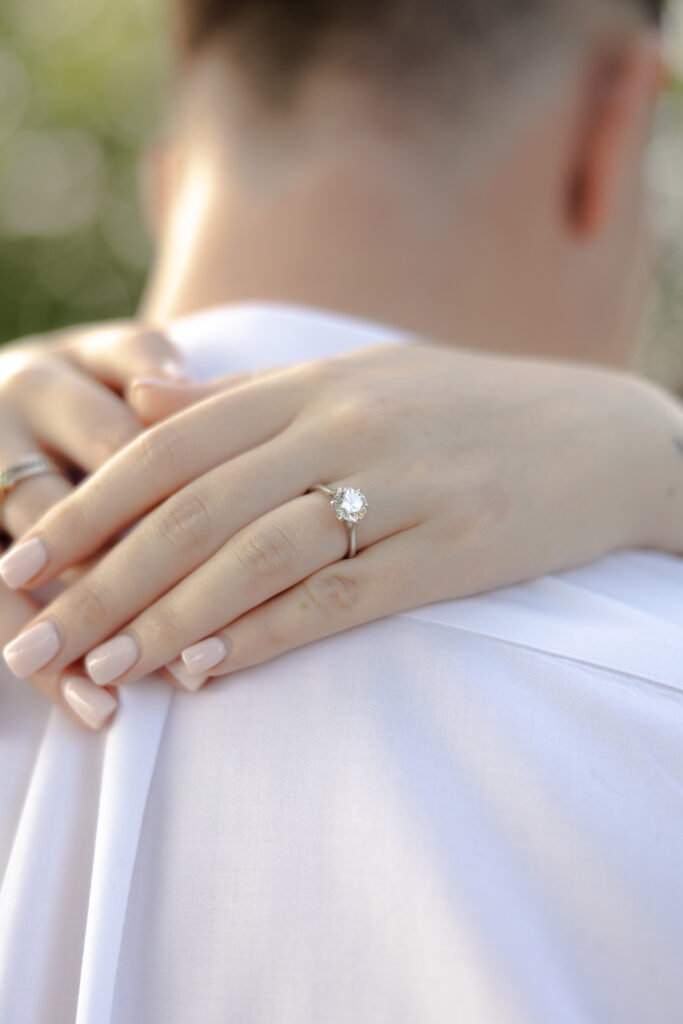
81, 86
80, 90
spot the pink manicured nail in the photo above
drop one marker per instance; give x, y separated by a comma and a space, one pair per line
32, 650
92, 705
23, 562
181, 675
204, 656
109, 661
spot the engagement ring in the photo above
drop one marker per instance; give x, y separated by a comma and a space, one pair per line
350, 506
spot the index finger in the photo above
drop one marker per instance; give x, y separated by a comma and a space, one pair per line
147, 471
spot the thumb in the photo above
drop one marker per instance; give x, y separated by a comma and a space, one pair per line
154, 399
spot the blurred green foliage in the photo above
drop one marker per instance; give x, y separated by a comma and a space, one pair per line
79, 93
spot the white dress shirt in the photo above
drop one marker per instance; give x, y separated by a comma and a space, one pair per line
472, 812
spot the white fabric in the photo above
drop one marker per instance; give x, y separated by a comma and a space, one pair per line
472, 812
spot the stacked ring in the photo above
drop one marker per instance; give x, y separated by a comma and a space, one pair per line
23, 469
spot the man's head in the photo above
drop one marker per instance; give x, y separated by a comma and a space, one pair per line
400, 44
488, 150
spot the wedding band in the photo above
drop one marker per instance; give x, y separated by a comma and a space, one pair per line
350, 506
23, 469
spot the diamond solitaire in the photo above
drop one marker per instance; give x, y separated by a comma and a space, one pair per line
349, 505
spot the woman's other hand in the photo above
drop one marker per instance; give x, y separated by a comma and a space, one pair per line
480, 471
63, 396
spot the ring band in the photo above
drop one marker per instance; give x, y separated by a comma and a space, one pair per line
350, 506
23, 469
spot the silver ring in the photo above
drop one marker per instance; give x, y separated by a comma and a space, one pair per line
23, 469
350, 506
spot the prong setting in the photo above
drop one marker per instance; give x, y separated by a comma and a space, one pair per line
349, 504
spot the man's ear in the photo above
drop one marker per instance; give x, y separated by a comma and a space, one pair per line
158, 179
619, 104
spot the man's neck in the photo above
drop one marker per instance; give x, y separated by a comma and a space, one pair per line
321, 240
345, 206
369, 228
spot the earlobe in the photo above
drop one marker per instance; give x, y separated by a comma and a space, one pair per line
619, 103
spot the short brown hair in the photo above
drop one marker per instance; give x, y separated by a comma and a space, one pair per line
277, 41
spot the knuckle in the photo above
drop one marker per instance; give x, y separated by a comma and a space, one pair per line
267, 551
160, 627
159, 450
379, 417
334, 593
318, 380
184, 521
365, 416
477, 521
316, 372
31, 376
347, 419
87, 605
69, 522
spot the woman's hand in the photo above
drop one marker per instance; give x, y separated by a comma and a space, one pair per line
62, 395
88, 705
480, 471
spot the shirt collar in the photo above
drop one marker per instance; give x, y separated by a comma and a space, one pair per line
254, 336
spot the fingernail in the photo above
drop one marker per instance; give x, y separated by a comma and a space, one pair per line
180, 674
204, 656
23, 562
32, 650
92, 705
107, 662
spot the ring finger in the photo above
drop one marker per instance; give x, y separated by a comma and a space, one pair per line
28, 499
72, 414
266, 558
